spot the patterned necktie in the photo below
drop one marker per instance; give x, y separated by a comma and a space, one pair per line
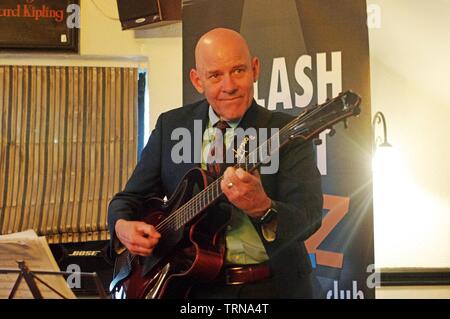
217, 152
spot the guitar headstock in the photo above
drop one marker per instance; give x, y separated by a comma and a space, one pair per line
311, 122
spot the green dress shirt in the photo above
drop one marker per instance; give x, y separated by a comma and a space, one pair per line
244, 246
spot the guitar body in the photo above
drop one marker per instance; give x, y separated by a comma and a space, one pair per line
193, 253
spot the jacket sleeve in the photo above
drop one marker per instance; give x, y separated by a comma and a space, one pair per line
298, 198
144, 183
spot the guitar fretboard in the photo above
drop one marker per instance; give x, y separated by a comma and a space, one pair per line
307, 125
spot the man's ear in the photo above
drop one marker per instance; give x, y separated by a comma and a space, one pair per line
255, 68
196, 82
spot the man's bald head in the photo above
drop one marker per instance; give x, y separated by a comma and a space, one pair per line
216, 41
225, 72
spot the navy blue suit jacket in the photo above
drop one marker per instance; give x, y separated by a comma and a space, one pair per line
295, 188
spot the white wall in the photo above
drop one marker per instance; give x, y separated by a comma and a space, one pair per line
410, 78
104, 36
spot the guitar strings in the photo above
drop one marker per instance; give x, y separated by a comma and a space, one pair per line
204, 194
165, 224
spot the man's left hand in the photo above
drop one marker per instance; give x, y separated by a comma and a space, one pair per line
245, 191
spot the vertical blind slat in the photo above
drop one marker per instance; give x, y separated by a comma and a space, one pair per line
67, 145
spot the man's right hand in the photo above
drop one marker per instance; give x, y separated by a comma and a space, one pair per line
140, 238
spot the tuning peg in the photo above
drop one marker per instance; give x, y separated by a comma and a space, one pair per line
317, 141
345, 124
332, 132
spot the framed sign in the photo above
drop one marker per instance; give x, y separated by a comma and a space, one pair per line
39, 25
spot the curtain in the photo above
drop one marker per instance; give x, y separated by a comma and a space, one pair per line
68, 144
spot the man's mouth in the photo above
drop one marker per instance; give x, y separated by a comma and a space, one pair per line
231, 99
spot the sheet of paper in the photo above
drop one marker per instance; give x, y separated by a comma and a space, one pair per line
34, 250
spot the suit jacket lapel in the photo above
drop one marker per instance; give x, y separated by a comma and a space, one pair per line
256, 117
197, 125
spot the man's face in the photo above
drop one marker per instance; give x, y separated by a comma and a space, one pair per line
225, 76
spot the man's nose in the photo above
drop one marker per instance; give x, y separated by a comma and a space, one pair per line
228, 84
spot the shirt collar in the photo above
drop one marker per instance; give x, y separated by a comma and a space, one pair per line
214, 118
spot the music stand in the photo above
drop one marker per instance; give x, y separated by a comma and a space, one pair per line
31, 278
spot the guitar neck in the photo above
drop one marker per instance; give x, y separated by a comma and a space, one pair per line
249, 162
311, 122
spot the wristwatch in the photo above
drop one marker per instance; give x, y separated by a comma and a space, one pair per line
269, 214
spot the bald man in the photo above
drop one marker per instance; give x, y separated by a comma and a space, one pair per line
271, 215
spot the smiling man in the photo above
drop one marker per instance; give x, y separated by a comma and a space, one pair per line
271, 214
225, 73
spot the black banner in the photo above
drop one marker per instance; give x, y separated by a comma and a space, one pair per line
309, 51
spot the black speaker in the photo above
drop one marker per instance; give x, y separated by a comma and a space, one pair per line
87, 257
135, 14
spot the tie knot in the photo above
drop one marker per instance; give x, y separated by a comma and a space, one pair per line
222, 125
